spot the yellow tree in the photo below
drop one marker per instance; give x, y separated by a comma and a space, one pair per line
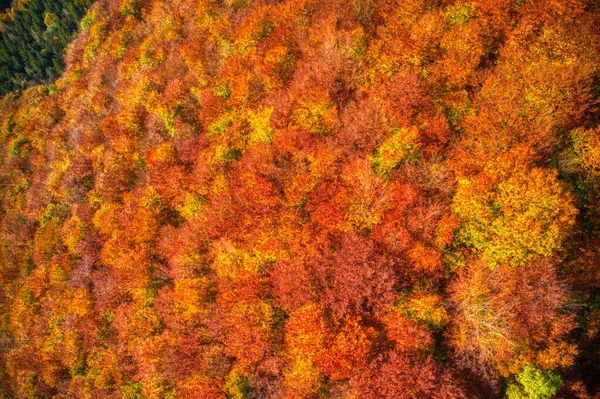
512, 214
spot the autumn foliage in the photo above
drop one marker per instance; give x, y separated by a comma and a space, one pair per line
307, 199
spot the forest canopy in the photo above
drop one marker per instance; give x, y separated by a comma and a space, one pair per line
247, 199
33, 38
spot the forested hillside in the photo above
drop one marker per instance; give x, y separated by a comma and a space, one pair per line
354, 199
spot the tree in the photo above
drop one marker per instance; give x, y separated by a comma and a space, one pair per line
511, 214
347, 351
305, 333
532, 383
292, 286
506, 318
396, 375
360, 281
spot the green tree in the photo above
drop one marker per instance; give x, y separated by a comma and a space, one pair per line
532, 383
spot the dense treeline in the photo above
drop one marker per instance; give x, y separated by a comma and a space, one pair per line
307, 199
33, 37
4, 4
